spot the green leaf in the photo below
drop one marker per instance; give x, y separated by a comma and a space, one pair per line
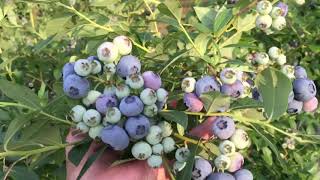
214, 149
102, 3
222, 18
20, 94
274, 87
267, 155
22, 172
76, 154
244, 103
44, 43
186, 173
213, 101
205, 15
57, 25
176, 116
201, 43
171, 8
246, 22
180, 129
90, 161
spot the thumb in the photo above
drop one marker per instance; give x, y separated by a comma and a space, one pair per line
204, 130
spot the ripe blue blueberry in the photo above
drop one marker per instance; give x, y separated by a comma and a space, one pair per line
220, 176
202, 168
234, 90
243, 174
137, 126
135, 81
193, 103
151, 80
223, 127
131, 106
75, 86
124, 44
67, 70
141, 150
115, 136
104, 102
256, 95
237, 162
300, 72
295, 107
304, 89
207, 84
82, 67
91, 117
108, 52
128, 65
122, 91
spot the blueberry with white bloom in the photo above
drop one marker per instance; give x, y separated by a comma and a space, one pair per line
122, 91
220, 176
135, 81
157, 149
82, 127
166, 128
240, 139
263, 22
223, 127
95, 67
67, 70
154, 136
104, 102
151, 80
274, 52
151, 110
304, 89
154, 161
115, 136
279, 23
300, 72
91, 117
141, 150
182, 154
113, 115
295, 107
222, 162
162, 95
207, 84
137, 127
131, 106
243, 174
75, 86
227, 147
228, 76
168, 144
202, 168
95, 132
109, 69
264, 7
82, 67
188, 84
148, 96
108, 52
77, 112
128, 65
261, 58
124, 44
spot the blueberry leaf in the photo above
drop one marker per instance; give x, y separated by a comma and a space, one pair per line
222, 18
274, 87
171, 8
176, 116
205, 15
215, 101
244, 103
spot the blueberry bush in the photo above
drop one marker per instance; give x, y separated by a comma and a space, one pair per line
212, 89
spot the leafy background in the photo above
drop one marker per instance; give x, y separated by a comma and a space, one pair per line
37, 37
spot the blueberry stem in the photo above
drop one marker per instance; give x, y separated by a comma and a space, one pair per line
153, 16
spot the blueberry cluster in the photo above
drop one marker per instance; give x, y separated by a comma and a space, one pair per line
156, 142
123, 111
274, 55
271, 18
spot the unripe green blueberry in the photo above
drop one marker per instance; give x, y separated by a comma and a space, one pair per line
148, 96
91, 97
274, 52
122, 91
162, 95
261, 58
124, 44
141, 150
157, 149
109, 69
282, 59
228, 76
222, 162
82, 67
188, 84
113, 115
166, 128
240, 139
168, 144
182, 154
227, 147
154, 161
279, 23
77, 112
95, 67
300, 2
288, 70
151, 110
276, 12
178, 166
264, 7
108, 52
94, 132
82, 127
264, 22
154, 135
91, 117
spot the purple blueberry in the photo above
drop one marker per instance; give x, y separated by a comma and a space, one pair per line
256, 94
223, 127
295, 107
91, 58
160, 105
290, 97
131, 106
243, 174
300, 72
304, 89
128, 65
207, 84
283, 7
137, 127
104, 102
151, 80
234, 90
237, 162
220, 176
115, 136
76, 87
193, 103
67, 70
202, 168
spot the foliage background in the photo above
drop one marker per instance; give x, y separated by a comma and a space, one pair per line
37, 37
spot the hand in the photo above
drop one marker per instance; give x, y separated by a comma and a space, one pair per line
134, 170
